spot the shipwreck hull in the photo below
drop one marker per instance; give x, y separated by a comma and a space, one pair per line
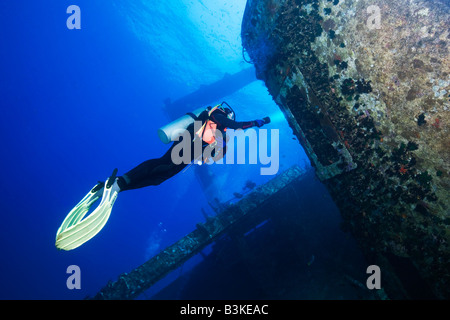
365, 90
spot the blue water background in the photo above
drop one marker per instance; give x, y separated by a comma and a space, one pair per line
76, 104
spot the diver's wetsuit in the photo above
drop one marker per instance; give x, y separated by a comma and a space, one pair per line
155, 171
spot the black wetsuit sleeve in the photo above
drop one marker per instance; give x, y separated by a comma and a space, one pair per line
223, 121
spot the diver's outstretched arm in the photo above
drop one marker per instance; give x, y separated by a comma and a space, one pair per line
235, 125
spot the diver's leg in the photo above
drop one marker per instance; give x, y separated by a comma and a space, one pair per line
151, 172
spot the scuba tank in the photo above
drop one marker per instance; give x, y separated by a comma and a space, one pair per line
174, 130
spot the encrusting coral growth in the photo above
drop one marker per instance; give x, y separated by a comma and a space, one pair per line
370, 105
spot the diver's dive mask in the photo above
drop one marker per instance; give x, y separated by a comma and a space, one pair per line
230, 114
229, 111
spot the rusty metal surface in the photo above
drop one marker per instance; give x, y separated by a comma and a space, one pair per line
371, 108
131, 285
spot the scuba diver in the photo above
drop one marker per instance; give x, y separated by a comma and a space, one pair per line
208, 129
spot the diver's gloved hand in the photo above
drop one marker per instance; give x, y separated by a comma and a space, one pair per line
259, 123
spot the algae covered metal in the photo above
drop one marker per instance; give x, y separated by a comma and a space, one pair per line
247, 213
365, 87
